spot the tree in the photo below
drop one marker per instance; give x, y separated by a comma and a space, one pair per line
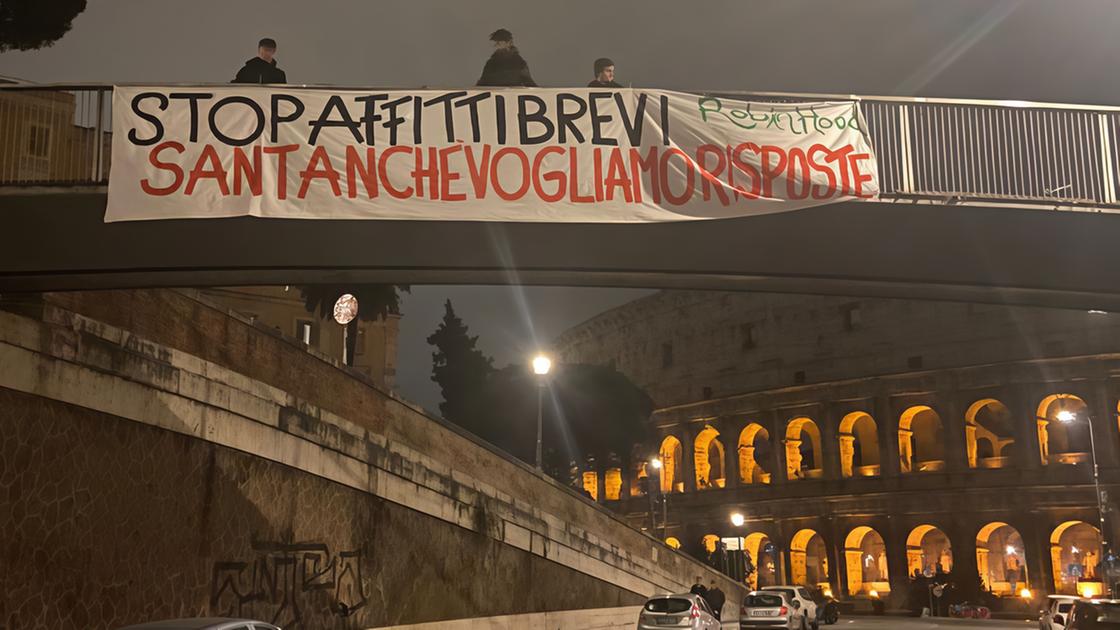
590, 412
375, 301
33, 24
461, 370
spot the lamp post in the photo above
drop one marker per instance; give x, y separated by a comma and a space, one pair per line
541, 367
1066, 417
656, 464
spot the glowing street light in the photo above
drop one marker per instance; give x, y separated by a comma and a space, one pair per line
541, 366
1010, 550
1065, 416
656, 463
1025, 593
738, 519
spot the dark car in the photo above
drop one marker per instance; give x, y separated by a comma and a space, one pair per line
1095, 614
828, 609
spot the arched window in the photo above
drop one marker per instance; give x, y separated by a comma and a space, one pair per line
803, 449
928, 551
1063, 430
672, 479
754, 454
921, 440
1075, 552
865, 557
1001, 560
859, 446
764, 555
808, 559
708, 459
988, 434
673, 542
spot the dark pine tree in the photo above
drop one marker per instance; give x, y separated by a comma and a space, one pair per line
33, 24
590, 412
461, 370
374, 302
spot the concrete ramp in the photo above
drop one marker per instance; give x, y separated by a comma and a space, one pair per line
175, 460
595, 619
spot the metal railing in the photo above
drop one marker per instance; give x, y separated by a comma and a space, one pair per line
929, 150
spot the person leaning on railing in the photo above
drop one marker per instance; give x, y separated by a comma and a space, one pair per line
262, 68
506, 67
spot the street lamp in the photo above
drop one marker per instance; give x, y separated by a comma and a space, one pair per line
738, 519
655, 464
1066, 416
541, 366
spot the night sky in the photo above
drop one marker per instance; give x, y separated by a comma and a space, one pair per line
1051, 50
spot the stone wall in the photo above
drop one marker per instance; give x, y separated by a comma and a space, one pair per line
146, 480
687, 346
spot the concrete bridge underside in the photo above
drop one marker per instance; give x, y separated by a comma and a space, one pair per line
55, 239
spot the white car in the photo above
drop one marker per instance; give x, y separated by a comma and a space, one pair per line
208, 623
677, 611
802, 601
1056, 614
770, 609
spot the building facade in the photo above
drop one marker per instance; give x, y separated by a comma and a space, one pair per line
282, 309
859, 442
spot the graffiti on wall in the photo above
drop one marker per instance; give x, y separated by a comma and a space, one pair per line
287, 583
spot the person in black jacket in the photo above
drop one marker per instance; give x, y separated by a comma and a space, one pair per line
715, 599
505, 68
604, 74
262, 68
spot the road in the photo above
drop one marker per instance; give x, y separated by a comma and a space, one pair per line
911, 623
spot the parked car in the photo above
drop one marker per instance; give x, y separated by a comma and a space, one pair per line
801, 599
206, 623
772, 609
1056, 614
1094, 614
683, 610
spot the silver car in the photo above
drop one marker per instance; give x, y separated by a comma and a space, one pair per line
1056, 614
677, 611
771, 609
207, 623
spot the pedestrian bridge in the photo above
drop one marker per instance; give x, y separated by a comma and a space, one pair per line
981, 200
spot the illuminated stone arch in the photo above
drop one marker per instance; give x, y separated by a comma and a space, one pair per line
988, 434
927, 549
708, 459
765, 557
1001, 559
808, 559
1058, 442
1075, 547
865, 556
709, 541
673, 542
859, 445
637, 486
921, 440
754, 448
672, 465
803, 449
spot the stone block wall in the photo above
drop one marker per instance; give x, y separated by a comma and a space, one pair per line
144, 480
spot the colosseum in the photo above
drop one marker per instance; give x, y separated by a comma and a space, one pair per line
854, 444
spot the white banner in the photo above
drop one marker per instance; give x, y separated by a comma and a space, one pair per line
584, 155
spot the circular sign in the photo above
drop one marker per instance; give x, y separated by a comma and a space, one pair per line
345, 309
938, 590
